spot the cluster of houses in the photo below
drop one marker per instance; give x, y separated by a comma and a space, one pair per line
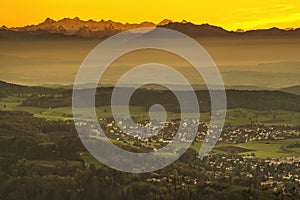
165, 132
276, 174
147, 131
248, 134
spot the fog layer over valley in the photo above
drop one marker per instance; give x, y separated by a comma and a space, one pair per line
245, 62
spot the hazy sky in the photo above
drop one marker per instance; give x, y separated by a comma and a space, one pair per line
230, 14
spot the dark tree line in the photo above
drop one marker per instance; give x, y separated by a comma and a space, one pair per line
256, 100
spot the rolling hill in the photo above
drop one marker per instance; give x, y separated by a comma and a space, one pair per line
256, 100
293, 89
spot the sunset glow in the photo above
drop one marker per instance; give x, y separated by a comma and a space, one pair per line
230, 14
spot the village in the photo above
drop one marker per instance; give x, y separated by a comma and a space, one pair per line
276, 173
164, 132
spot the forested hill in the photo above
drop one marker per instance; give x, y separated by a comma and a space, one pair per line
7, 89
257, 100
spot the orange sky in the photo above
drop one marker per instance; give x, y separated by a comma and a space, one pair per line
230, 14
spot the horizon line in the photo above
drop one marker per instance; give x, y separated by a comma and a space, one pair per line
155, 24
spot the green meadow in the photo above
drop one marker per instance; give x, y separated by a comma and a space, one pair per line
261, 149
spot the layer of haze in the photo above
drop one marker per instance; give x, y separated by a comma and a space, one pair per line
263, 63
230, 14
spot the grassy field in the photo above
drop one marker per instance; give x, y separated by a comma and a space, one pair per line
53, 163
274, 117
265, 150
296, 150
89, 159
262, 149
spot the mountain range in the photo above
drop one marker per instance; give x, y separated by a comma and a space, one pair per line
101, 29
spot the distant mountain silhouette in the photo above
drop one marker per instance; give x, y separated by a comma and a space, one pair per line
101, 29
81, 28
207, 30
197, 30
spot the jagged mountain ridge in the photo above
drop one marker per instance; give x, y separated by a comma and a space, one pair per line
82, 28
91, 28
